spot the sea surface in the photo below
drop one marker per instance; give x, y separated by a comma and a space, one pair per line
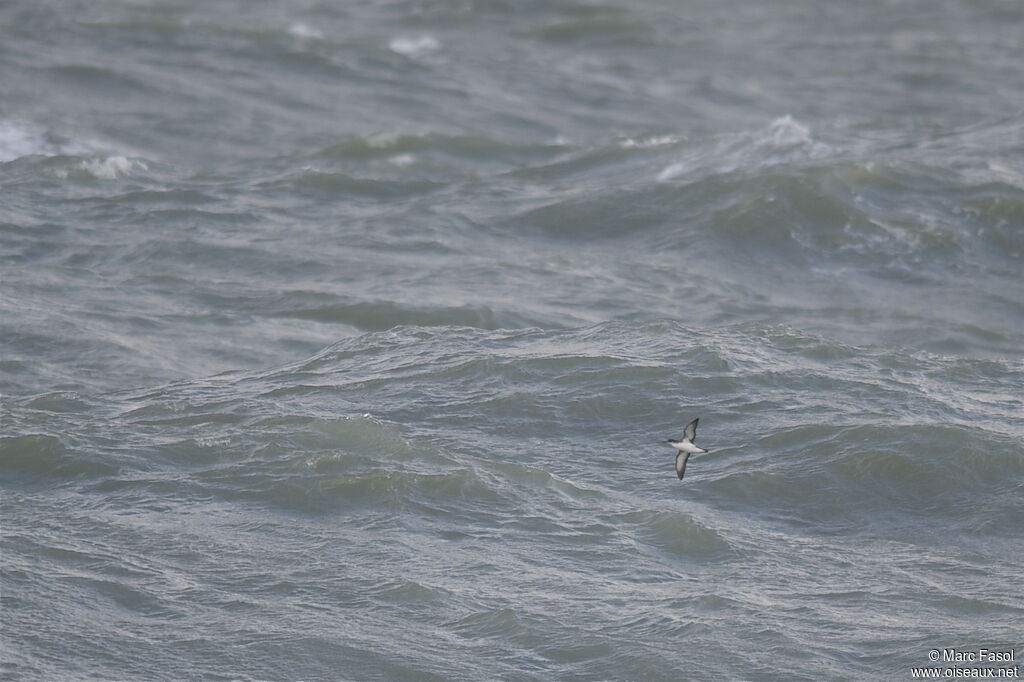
340, 341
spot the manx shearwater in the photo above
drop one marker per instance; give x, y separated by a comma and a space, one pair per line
685, 447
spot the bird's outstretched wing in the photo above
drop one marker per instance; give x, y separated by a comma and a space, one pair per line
681, 464
690, 432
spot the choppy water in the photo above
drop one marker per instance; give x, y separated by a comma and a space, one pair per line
340, 341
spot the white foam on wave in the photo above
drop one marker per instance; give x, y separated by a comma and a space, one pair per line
21, 138
414, 47
1005, 173
402, 160
112, 167
674, 170
784, 140
787, 131
305, 31
17, 141
650, 142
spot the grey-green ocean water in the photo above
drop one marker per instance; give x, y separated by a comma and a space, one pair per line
340, 341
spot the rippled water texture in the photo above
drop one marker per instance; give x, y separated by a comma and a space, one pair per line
340, 341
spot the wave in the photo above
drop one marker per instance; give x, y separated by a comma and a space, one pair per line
506, 400
43, 455
28, 150
382, 315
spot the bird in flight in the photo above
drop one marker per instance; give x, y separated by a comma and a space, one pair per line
685, 447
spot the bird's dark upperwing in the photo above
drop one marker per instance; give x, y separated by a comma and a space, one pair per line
690, 432
681, 464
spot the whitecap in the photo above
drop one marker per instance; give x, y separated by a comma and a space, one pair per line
788, 131
674, 171
19, 140
112, 167
784, 140
305, 31
22, 138
414, 47
103, 167
402, 160
650, 142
